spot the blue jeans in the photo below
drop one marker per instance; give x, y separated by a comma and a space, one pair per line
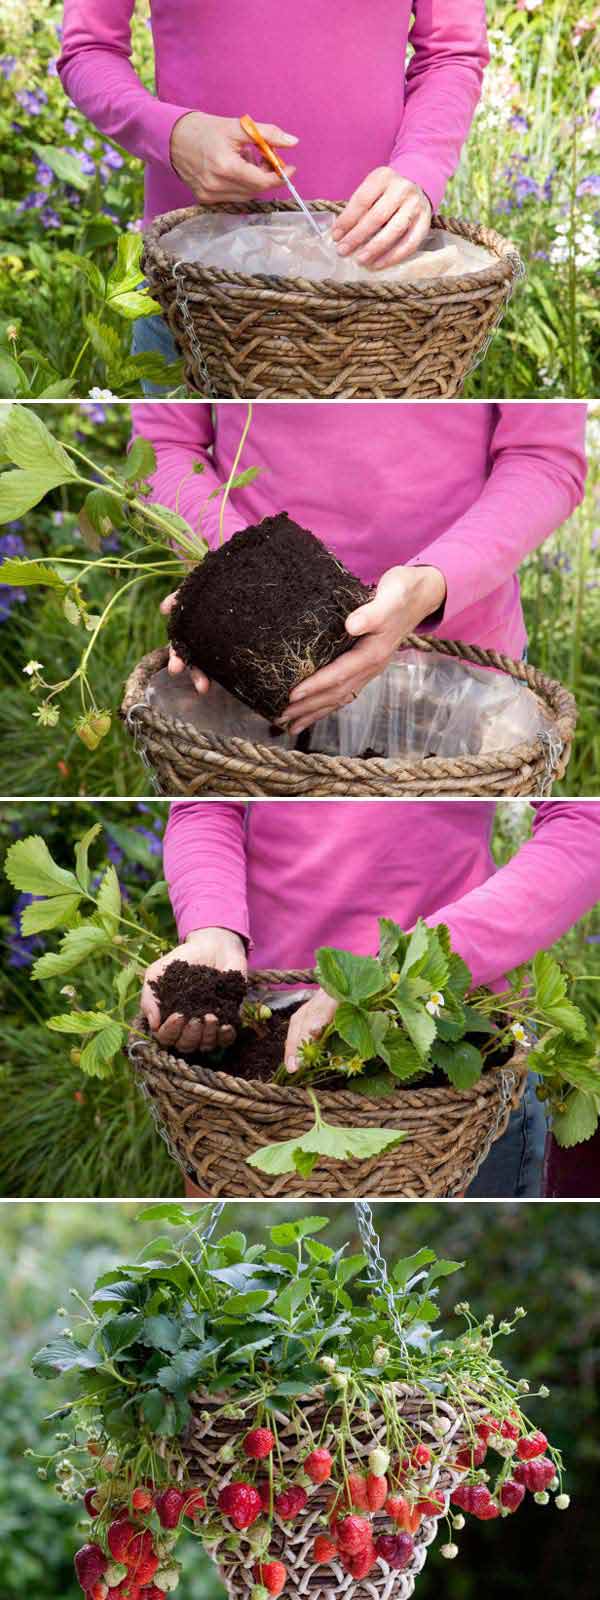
513, 1169
151, 336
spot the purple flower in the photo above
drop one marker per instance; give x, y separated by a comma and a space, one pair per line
112, 158
518, 122
31, 100
22, 948
71, 127
114, 852
7, 66
111, 544
593, 938
52, 68
595, 545
11, 545
152, 840
589, 185
49, 218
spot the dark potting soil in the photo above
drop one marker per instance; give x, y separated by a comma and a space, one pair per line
265, 611
195, 991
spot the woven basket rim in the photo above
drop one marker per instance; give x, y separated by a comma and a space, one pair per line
507, 266
224, 1086
555, 696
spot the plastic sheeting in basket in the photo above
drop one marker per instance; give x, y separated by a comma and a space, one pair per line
444, 718
259, 307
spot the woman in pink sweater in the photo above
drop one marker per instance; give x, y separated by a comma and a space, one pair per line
281, 878
437, 504
328, 85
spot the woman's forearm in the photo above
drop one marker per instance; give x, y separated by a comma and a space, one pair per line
204, 857
443, 85
96, 72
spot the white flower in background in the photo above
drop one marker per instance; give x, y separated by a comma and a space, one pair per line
585, 242
519, 1033
101, 394
33, 666
435, 1003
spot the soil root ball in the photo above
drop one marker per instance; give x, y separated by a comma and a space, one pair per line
264, 612
194, 991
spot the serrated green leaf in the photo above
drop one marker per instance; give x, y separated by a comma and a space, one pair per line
87, 267
341, 1143
63, 1355
247, 1303
349, 977
131, 304
353, 1025
30, 868
28, 574
406, 1267
109, 901
578, 1122
79, 1022
460, 978
78, 945
82, 848
64, 166
400, 1055
140, 463
462, 1062
99, 1053
416, 949
125, 981
30, 445
285, 1233
59, 912
161, 1333
122, 1331
420, 1026
154, 1406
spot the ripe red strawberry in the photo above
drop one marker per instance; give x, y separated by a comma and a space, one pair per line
377, 1491
511, 1495
359, 1564
357, 1491
258, 1444
263, 1489
241, 1503
194, 1502
141, 1499
272, 1574
396, 1549
434, 1505
324, 1549
421, 1456
354, 1534
169, 1506
127, 1589
510, 1429
142, 1559
99, 1590
318, 1465
290, 1502
402, 1513
471, 1497
472, 1455
90, 1565
89, 1502
119, 1537
149, 1592
533, 1445
536, 1475
488, 1512
487, 1427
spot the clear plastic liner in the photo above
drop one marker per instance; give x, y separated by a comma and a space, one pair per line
285, 246
422, 705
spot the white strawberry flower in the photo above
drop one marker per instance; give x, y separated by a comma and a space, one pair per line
519, 1033
435, 1003
33, 666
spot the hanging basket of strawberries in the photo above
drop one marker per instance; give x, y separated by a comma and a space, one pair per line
300, 1472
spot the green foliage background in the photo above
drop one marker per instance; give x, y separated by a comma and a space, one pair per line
546, 1257
529, 168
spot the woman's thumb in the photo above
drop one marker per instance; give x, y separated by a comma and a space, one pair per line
363, 620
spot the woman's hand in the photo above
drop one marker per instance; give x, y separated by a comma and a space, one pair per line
307, 1023
384, 222
206, 153
208, 947
404, 597
175, 664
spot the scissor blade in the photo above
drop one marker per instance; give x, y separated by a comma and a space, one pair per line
300, 203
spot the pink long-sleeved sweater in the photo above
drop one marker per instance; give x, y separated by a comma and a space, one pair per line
294, 875
470, 488
333, 74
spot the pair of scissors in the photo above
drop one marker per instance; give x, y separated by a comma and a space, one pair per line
256, 137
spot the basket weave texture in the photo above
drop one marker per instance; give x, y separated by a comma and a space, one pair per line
293, 1542
248, 336
188, 762
212, 1122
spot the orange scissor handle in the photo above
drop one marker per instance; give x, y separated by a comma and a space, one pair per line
257, 138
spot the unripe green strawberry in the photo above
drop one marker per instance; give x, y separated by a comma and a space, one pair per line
379, 1461
115, 1573
449, 1551
167, 1579
562, 1502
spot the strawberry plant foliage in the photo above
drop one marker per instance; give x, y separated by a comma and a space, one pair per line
245, 1338
400, 1016
156, 541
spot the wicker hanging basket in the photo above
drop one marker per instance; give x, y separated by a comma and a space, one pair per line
247, 336
212, 1122
293, 1542
186, 761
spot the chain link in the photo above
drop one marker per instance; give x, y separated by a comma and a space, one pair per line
183, 306
553, 745
213, 1218
376, 1267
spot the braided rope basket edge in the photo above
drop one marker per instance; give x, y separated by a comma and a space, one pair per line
188, 762
212, 1122
293, 1543
247, 336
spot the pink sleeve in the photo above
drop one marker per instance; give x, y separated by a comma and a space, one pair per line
183, 435
527, 905
537, 478
96, 72
443, 85
204, 856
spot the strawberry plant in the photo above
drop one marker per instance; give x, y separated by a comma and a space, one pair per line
278, 1399
401, 1017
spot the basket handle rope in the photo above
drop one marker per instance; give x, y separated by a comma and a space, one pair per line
376, 1268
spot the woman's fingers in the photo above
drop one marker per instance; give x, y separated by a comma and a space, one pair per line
150, 1007
406, 246
167, 604
371, 223
387, 239
363, 198
200, 681
169, 1030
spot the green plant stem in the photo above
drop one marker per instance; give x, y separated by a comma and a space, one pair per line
234, 468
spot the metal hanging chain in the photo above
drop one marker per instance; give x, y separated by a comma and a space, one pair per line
213, 1218
376, 1267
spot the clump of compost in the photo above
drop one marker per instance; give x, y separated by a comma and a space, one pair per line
265, 611
195, 991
